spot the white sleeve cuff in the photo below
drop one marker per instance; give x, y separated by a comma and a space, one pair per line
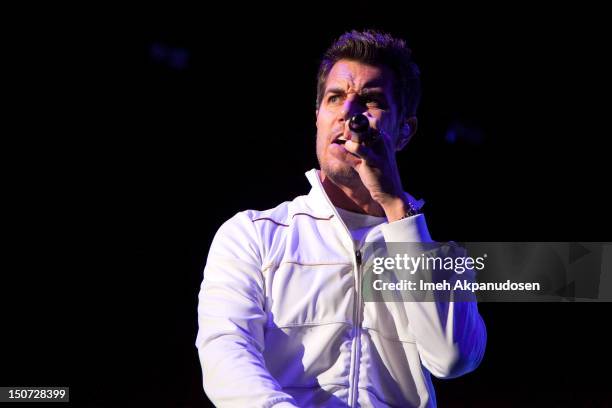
411, 229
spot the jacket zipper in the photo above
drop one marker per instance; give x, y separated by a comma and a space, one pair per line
356, 309
356, 330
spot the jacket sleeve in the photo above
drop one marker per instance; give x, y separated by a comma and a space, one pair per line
450, 336
231, 321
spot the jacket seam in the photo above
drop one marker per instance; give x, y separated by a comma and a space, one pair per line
293, 216
260, 249
314, 263
389, 338
312, 216
276, 265
270, 219
308, 387
308, 324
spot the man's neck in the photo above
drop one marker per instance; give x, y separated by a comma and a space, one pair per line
356, 199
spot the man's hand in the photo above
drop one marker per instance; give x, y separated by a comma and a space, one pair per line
378, 169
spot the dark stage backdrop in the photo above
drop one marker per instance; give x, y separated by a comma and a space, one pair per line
140, 131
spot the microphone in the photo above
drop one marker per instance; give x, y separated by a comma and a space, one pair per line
360, 125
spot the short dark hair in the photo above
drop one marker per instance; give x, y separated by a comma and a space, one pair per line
376, 48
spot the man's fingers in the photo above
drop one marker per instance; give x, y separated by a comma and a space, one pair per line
358, 149
373, 136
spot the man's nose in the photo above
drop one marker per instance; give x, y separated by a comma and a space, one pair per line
351, 107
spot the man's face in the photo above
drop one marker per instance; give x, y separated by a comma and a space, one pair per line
352, 88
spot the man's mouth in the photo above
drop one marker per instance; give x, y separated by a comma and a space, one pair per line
340, 139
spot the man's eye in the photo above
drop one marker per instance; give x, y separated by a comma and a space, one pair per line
374, 103
333, 99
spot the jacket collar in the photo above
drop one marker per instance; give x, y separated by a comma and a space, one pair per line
317, 198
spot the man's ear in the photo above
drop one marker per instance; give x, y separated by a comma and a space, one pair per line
407, 130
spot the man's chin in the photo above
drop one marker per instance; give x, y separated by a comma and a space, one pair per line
341, 174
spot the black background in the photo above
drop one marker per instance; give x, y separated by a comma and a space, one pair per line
120, 165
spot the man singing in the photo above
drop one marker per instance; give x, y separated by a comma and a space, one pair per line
282, 319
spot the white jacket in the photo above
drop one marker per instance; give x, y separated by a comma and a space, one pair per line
282, 322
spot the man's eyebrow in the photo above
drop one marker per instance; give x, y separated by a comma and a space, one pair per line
335, 91
373, 91
364, 91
